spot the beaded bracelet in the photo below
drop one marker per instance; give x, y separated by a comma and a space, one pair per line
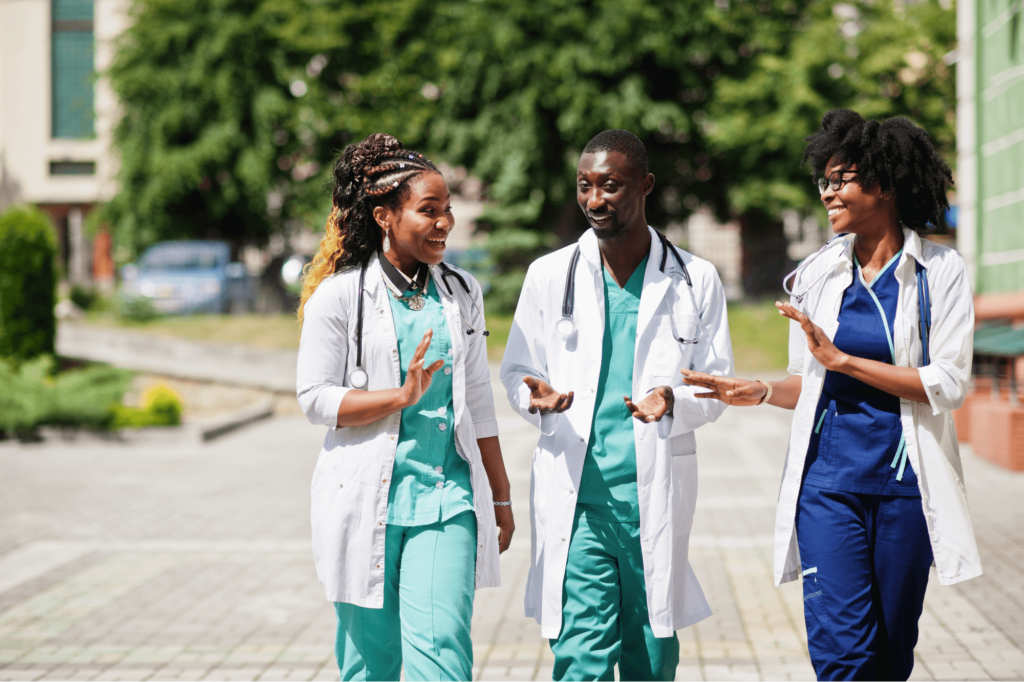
503, 504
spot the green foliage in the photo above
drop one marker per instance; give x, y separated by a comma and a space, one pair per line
511, 250
28, 247
161, 406
203, 87
881, 59
137, 309
83, 297
32, 395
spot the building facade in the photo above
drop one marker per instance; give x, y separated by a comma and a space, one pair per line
57, 115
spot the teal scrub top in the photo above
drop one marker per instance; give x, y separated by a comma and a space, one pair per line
430, 481
608, 485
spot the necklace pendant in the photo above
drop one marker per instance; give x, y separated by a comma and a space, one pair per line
416, 302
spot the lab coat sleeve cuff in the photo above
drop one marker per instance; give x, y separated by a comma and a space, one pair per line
486, 428
938, 397
328, 403
549, 422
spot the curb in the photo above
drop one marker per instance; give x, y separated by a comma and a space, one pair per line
195, 432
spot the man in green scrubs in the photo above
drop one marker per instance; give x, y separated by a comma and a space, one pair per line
605, 618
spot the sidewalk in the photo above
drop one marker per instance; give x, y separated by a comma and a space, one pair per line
240, 365
189, 561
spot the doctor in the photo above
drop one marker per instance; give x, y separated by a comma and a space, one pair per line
880, 351
600, 334
410, 501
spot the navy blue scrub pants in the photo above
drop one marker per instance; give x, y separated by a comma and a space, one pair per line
865, 560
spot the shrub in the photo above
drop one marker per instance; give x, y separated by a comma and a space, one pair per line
161, 406
28, 247
138, 309
31, 395
83, 297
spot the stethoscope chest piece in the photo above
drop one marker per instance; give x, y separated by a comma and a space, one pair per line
357, 378
565, 326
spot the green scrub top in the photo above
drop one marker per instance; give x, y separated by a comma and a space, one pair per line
608, 485
430, 481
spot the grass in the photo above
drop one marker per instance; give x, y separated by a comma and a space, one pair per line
263, 331
759, 333
760, 338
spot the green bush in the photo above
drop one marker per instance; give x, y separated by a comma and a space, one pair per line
161, 406
138, 309
28, 246
83, 297
32, 395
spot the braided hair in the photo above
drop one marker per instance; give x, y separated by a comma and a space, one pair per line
895, 153
375, 172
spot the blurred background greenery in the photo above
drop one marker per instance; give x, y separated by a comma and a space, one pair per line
233, 109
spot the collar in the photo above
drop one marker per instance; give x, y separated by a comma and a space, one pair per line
398, 280
590, 249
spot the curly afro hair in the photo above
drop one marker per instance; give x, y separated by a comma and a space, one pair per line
895, 153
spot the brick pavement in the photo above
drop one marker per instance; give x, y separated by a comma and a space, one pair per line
188, 562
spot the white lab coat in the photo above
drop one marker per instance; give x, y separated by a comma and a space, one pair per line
349, 493
665, 452
931, 439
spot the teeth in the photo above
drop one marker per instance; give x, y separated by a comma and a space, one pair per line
833, 211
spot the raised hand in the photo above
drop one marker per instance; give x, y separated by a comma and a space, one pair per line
545, 399
821, 347
654, 406
417, 378
738, 392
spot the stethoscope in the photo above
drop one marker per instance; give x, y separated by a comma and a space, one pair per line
358, 378
924, 298
567, 326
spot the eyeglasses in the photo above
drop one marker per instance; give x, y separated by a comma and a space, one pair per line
835, 180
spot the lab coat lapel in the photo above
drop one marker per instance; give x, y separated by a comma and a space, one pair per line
656, 284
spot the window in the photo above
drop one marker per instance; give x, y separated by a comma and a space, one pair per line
72, 64
72, 168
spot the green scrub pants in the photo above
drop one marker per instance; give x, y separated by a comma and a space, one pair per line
604, 609
429, 583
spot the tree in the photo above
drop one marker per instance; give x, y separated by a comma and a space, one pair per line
28, 249
882, 59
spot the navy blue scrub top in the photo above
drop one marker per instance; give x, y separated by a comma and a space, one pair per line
857, 427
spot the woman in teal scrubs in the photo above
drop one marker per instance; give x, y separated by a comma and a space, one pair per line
410, 498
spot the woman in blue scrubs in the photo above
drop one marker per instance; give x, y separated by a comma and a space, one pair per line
410, 500
880, 354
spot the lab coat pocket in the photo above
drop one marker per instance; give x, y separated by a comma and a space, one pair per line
666, 356
356, 469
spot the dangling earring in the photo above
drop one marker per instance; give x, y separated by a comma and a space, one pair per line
387, 242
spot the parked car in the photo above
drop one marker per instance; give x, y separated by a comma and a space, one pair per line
189, 277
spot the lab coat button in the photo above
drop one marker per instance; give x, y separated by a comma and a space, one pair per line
442, 427
447, 370
438, 469
378, 565
392, 437
581, 440
394, 351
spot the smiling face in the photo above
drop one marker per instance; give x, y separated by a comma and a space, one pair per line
419, 227
853, 209
611, 193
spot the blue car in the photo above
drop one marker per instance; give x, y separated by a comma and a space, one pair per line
189, 277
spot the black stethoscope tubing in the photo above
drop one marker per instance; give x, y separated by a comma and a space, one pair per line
567, 325
358, 377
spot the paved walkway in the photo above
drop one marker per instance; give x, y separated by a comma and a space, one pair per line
204, 360
193, 562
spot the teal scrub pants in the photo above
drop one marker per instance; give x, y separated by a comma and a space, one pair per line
429, 583
604, 609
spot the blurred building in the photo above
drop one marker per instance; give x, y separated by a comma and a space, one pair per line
990, 224
57, 118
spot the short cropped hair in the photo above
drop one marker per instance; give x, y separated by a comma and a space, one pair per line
896, 153
621, 141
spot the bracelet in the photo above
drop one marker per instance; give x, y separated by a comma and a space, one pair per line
766, 395
507, 503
